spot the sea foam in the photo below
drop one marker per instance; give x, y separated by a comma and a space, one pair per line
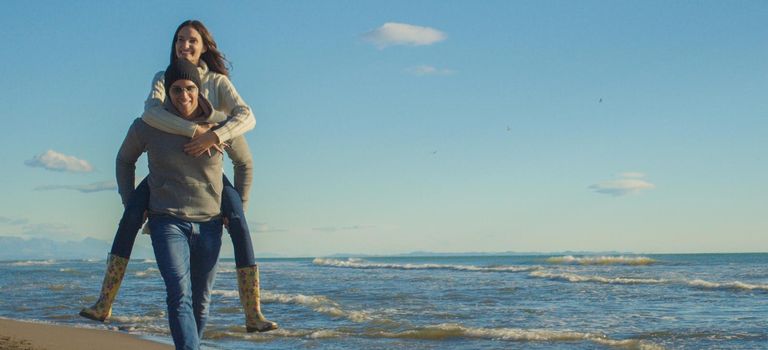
735, 285
362, 264
451, 330
148, 272
696, 283
317, 303
570, 277
34, 263
138, 319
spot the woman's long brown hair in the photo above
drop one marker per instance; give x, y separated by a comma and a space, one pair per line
212, 56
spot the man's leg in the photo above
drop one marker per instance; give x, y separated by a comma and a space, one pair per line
206, 245
170, 241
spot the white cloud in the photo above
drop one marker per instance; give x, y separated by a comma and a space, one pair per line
343, 228
89, 188
49, 230
56, 161
261, 227
429, 70
629, 183
12, 221
634, 175
391, 34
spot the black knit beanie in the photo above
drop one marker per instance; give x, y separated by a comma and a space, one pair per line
181, 69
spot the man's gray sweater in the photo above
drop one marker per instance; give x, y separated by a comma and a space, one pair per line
180, 185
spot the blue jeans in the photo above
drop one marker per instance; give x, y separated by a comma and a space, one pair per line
231, 208
186, 254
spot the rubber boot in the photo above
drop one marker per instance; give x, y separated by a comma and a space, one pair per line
112, 278
248, 286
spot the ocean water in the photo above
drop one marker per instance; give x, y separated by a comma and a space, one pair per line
707, 301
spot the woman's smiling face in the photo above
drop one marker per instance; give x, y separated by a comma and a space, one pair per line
189, 44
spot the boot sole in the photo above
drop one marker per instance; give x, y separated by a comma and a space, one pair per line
254, 329
91, 317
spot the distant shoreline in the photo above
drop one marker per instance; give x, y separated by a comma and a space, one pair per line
404, 255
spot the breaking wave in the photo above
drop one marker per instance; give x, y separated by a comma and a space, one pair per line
450, 330
33, 263
317, 303
138, 319
571, 277
456, 331
602, 260
362, 264
237, 333
735, 285
148, 272
697, 283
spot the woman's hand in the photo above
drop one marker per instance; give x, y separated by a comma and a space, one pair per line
202, 142
202, 129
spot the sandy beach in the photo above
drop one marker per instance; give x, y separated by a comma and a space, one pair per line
17, 335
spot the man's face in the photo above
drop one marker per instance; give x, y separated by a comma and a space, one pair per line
184, 94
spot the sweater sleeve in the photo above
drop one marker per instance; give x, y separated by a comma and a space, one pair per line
158, 117
241, 119
125, 167
240, 154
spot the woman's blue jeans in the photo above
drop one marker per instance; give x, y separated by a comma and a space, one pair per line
231, 208
186, 254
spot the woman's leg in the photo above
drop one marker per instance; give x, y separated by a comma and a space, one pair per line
117, 261
131, 222
247, 271
171, 242
205, 245
232, 209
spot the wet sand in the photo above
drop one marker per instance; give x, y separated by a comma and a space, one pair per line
17, 335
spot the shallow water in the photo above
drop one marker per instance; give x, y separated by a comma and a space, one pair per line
506, 302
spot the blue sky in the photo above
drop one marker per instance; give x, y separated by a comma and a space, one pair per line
429, 125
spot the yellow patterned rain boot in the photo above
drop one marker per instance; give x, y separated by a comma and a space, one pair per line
112, 278
248, 286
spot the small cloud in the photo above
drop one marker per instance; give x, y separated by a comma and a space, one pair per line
429, 70
391, 34
262, 227
634, 175
89, 188
12, 221
56, 161
343, 228
57, 231
629, 183
358, 227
